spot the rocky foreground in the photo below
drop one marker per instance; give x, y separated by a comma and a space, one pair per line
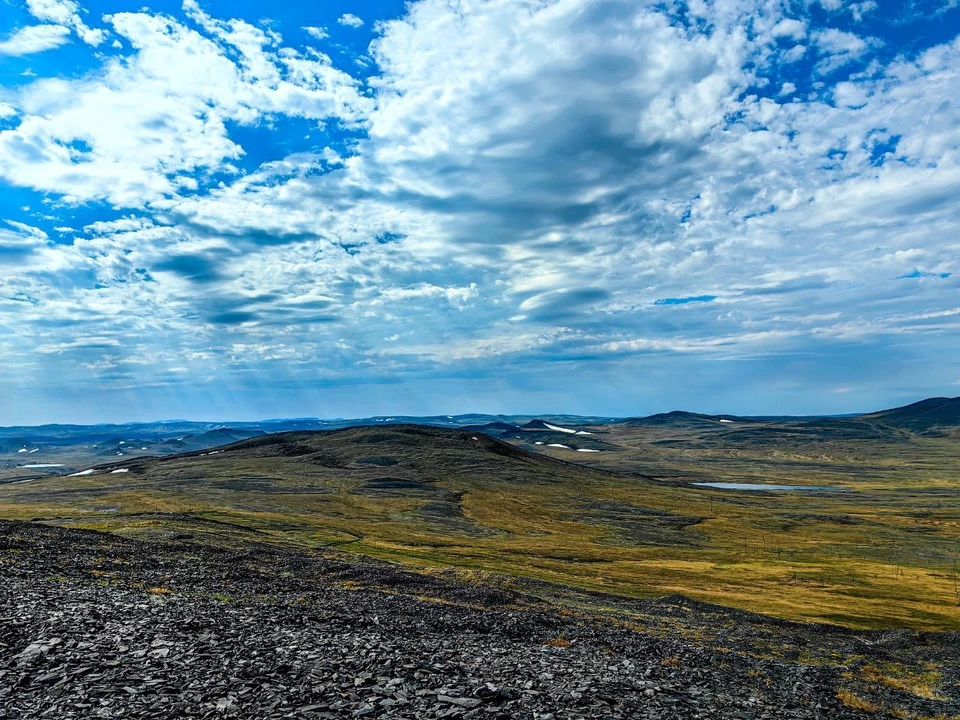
95, 626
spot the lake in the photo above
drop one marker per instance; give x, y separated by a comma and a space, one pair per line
761, 486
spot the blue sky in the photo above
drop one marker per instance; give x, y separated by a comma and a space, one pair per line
240, 210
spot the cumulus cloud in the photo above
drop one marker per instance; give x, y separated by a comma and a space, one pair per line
790, 28
587, 183
317, 33
65, 13
33, 39
153, 124
350, 20
837, 48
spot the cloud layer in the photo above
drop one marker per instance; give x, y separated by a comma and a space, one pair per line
595, 206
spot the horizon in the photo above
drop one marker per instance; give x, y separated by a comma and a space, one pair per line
390, 416
610, 207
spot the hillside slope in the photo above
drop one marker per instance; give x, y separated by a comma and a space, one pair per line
933, 416
447, 498
94, 626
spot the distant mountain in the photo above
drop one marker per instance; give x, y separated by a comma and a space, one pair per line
680, 418
933, 416
494, 428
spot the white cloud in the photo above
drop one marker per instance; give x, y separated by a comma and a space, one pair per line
527, 180
145, 125
456, 296
33, 39
794, 54
67, 13
838, 48
860, 10
350, 20
317, 33
56, 11
790, 28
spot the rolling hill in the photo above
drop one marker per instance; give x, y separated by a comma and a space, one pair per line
628, 520
933, 416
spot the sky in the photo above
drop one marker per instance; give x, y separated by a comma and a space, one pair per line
238, 210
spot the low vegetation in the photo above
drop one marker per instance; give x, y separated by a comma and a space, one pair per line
627, 520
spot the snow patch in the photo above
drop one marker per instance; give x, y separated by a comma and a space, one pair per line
724, 420
43, 465
560, 429
583, 432
586, 450
82, 472
22, 450
120, 470
539, 442
565, 447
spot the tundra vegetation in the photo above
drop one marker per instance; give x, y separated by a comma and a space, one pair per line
877, 548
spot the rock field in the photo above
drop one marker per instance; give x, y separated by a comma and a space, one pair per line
97, 626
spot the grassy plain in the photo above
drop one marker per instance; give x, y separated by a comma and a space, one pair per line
881, 553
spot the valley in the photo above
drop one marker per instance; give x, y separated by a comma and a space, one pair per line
516, 504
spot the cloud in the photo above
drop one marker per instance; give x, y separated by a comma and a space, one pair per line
511, 190
33, 39
65, 13
790, 28
317, 33
838, 48
143, 128
350, 20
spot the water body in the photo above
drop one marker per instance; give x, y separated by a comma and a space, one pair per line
762, 487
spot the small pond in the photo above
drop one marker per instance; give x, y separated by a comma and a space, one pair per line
764, 487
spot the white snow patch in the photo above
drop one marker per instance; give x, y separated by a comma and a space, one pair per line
22, 450
474, 437
725, 420
43, 465
215, 452
34, 450
539, 442
583, 432
143, 448
560, 429
120, 470
586, 450
119, 453
82, 472
565, 447
123, 442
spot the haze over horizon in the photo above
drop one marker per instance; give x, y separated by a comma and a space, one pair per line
597, 207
